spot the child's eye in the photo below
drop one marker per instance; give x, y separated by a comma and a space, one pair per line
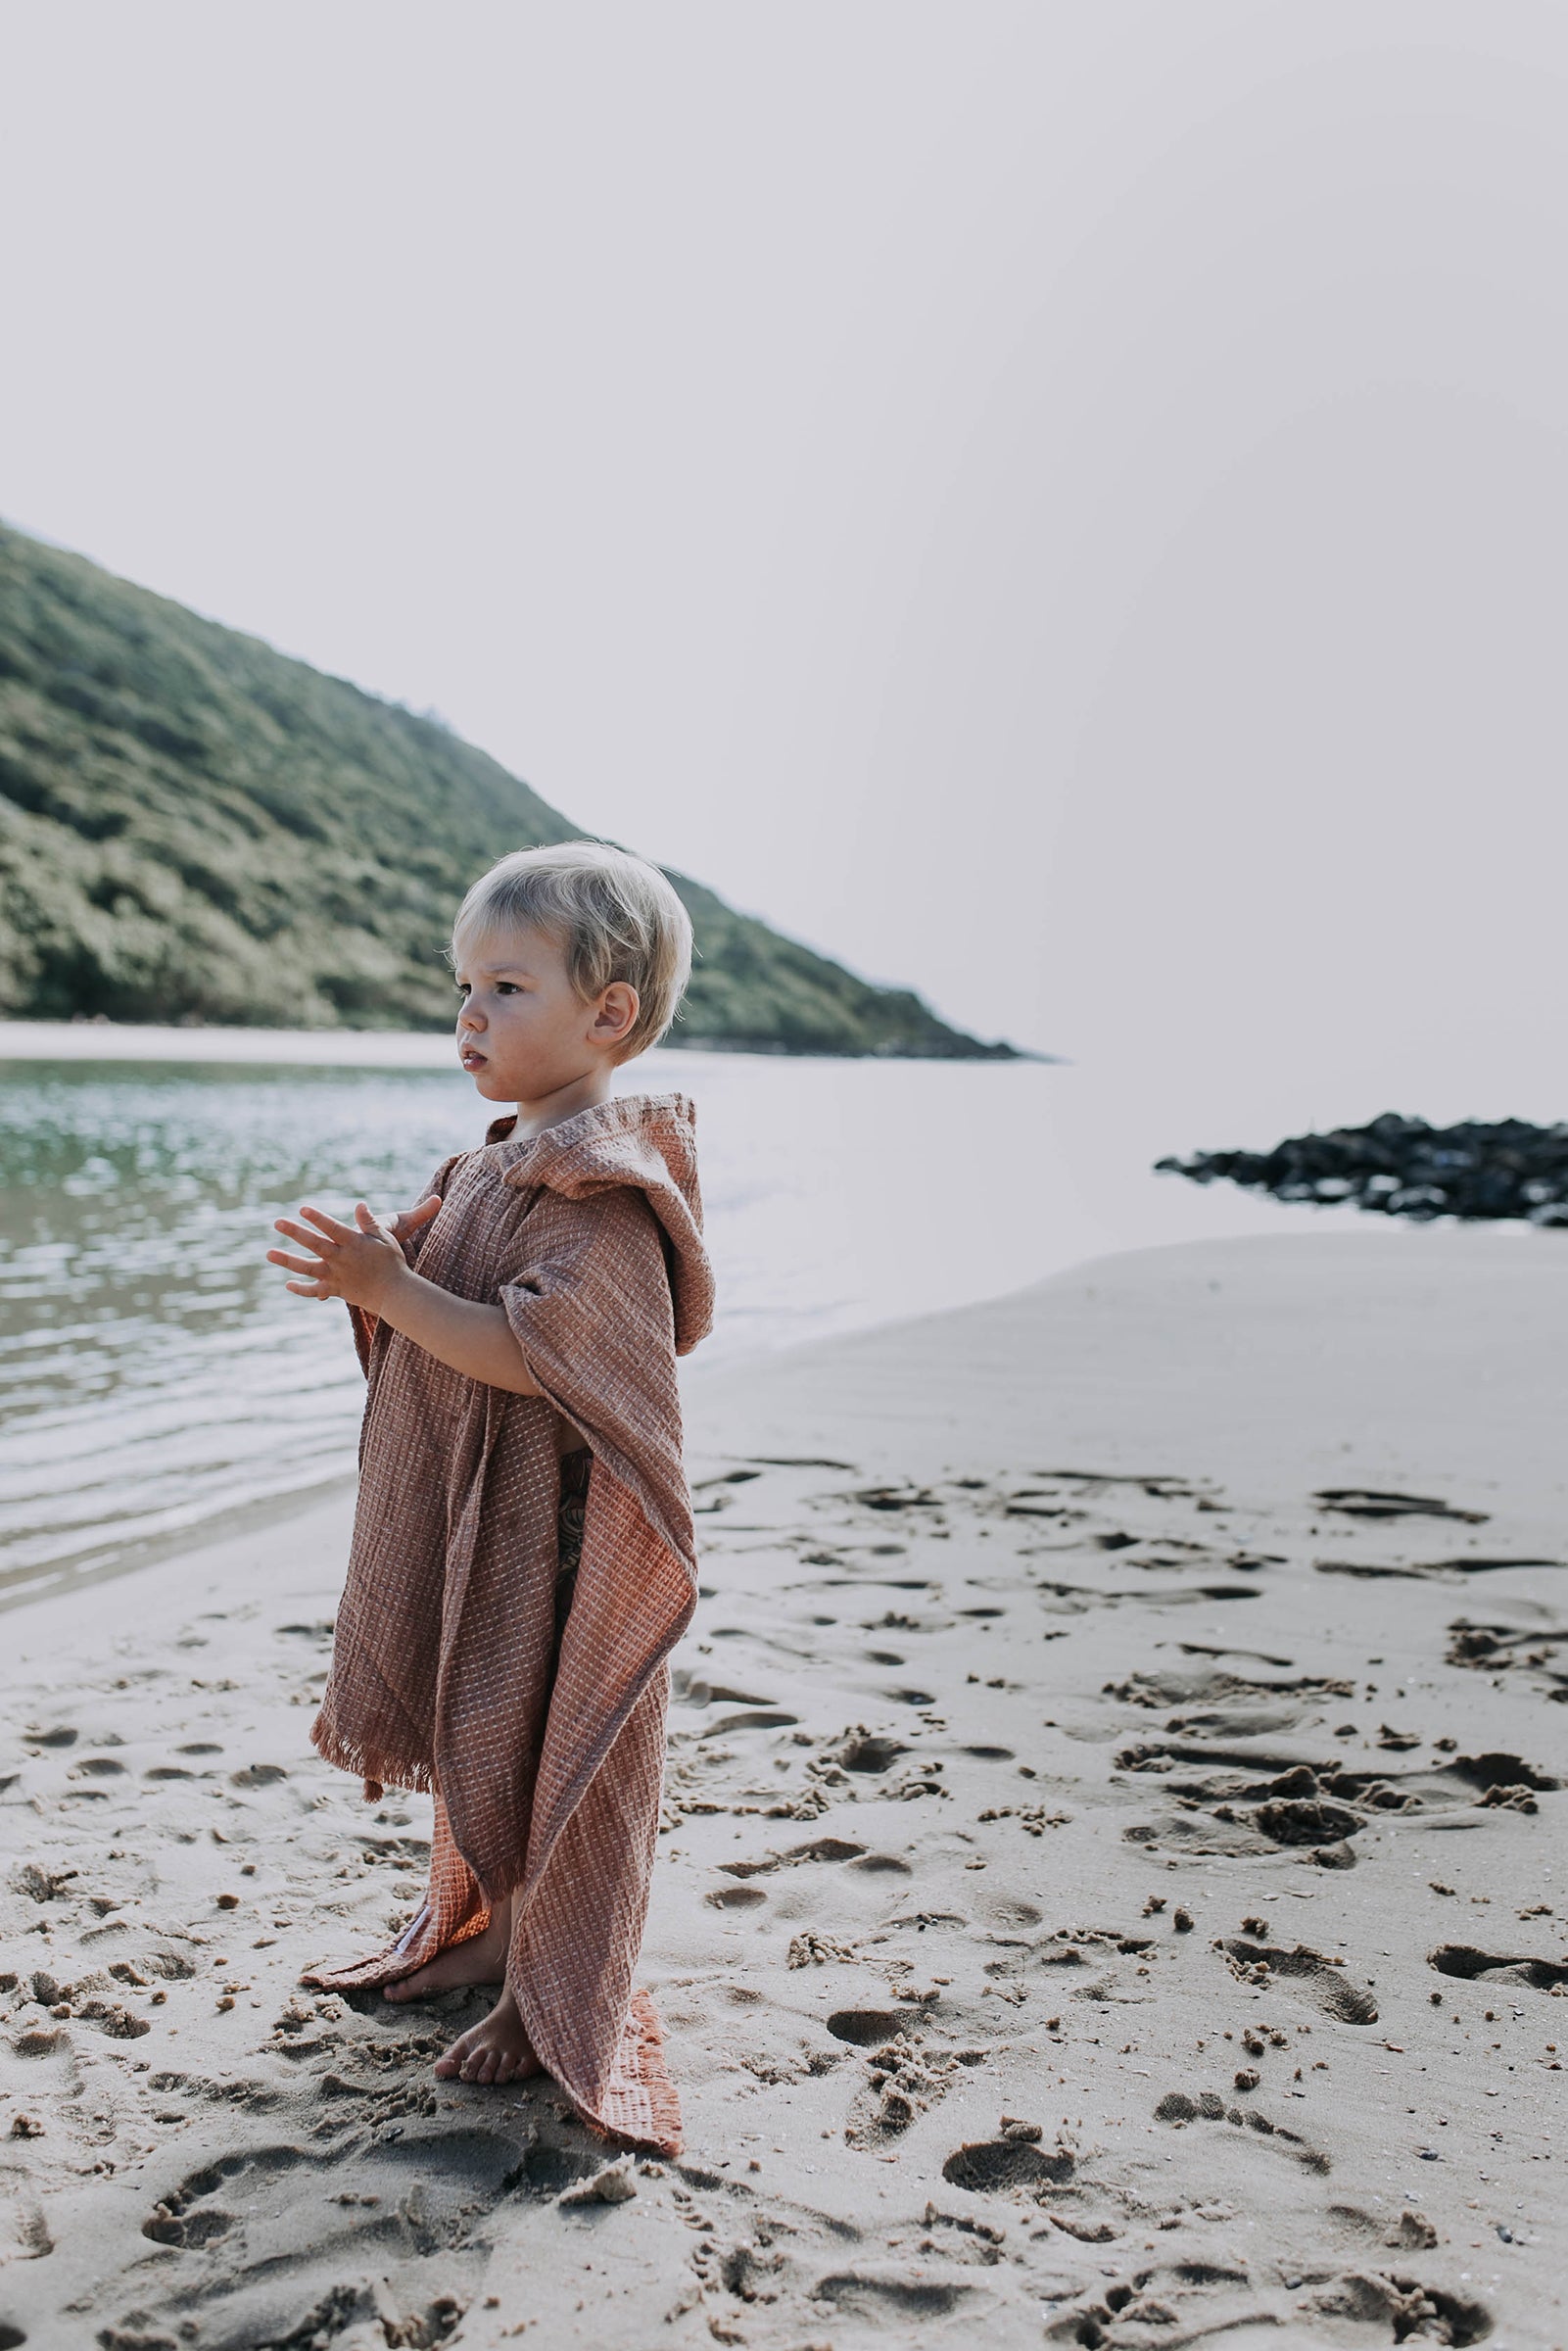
506, 987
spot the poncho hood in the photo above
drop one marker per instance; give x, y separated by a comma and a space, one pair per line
648, 1143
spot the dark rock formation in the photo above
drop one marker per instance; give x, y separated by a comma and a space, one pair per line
1404, 1168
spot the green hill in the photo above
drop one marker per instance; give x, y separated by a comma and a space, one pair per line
193, 828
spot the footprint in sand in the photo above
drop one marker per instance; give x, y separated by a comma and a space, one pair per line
1411, 2233
906, 2074
756, 1718
825, 1848
1237, 1721
865, 2027
1254, 1656
1427, 1571
1404, 2305
1183, 2301
1181, 2107
1495, 1779
1472, 1966
1015, 2164
1304, 1971
1153, 1483
23, 2231
1247, 1813
1079, 1597
817, 1848
786, 1460
1505, 1647
1367, 1501
1232, 1699
43, 2041
860, 1749
1319, 1805
891, 2299
883, 1499
282, 2244
1016, 2159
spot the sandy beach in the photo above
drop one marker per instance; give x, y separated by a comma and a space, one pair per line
1113, 1889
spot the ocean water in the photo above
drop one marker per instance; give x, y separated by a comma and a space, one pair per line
156, 1376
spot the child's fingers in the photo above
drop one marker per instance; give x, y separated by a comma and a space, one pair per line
309, 1289
364, 1219
303, 1234
328, 1224
295, 1264
410, 1221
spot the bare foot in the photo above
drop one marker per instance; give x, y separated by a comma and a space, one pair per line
498, 2050
480, 1961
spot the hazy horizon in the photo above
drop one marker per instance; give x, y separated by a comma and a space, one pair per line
1057, 509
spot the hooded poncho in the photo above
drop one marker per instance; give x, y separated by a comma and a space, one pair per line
589, 1236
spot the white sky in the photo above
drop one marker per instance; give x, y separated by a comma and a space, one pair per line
1066, 505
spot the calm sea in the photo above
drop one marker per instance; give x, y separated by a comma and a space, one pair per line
154, 1376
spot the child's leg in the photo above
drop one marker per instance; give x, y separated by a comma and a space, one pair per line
495, 2050
498, 2049
482, 1959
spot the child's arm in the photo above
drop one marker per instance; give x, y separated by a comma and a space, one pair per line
364, 1264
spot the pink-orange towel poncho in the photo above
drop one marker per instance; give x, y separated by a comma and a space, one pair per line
590, 1237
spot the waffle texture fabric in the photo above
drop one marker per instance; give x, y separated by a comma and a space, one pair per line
546, 1784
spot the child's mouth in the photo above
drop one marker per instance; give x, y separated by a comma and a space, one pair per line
471, 1060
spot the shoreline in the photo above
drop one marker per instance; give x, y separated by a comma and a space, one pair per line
1023, 1641
780, 1371
256, 1516
372, 1048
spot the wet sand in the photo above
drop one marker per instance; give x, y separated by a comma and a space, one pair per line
1112, 1889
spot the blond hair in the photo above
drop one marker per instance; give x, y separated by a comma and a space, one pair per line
617, 918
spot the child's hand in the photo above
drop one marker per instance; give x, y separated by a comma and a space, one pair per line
358, 1262
409, 1221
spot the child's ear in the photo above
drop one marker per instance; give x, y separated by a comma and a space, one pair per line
616, 1014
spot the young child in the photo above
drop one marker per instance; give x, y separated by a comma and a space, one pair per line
523, 1556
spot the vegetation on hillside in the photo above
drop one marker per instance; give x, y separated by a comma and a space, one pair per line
194, 828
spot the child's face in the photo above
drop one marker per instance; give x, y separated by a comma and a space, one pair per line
523, 1031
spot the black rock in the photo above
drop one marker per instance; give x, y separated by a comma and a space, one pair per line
1404, 1167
